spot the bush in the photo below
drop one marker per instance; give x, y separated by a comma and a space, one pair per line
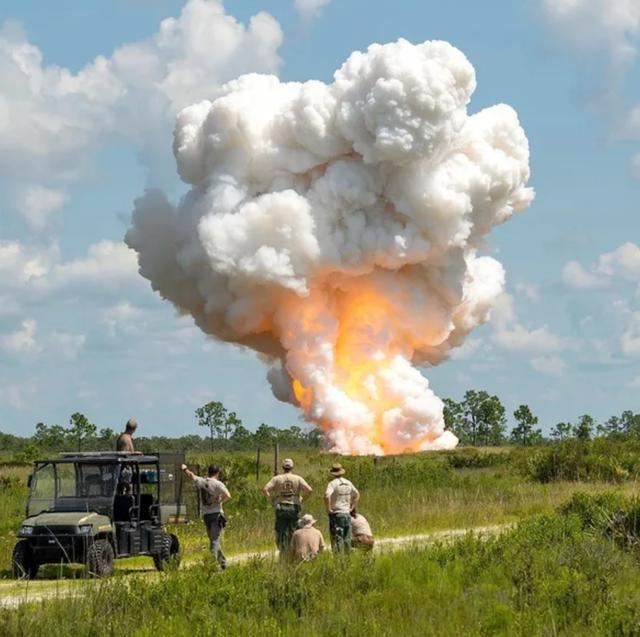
614, 516
473, 459
598, 460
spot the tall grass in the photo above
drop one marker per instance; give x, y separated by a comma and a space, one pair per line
548, 577
402, 495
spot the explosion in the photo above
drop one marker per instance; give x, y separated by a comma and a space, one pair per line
334, 229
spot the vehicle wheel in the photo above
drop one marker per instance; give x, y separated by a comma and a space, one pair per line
169, 555
100, 558
23, 563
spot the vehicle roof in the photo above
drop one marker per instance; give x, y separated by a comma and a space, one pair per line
103, 457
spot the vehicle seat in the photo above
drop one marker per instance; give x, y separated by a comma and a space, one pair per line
93, 486
122, 507
146, 502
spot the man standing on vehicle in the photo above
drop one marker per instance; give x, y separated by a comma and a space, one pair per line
125, 439
340, 498
213, 495
286, 490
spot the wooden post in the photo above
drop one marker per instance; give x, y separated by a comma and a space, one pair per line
276, 449
258, 466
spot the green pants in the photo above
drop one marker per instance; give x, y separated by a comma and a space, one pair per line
286, 523
340, 530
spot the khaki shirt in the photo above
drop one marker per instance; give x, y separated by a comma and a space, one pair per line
360, 525
342, 495
306, 543
125, 443
287, 488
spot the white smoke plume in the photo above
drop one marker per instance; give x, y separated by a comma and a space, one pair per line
334, 229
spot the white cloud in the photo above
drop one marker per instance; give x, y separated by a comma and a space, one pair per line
511, 335
609, 25
520, 339
65, 345
122, 319
21, 342
52, 120
467, 349
529, 290
38, 205
309, 9
623, 261
575, 276
630, 339
635, 382
612, 27
18, 396
19, 264
551, 365
106, 264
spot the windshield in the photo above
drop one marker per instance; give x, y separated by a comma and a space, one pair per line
72, 487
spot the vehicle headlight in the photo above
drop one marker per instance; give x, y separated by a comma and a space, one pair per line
85, 529
26, 530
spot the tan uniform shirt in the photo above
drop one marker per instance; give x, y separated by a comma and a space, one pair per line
342, 495
360, 525
306, 543
287, 488
125, 443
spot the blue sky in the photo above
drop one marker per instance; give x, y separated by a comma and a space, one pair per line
80, 330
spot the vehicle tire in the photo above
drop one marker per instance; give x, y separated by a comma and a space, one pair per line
100, 558
169, 555
23, 563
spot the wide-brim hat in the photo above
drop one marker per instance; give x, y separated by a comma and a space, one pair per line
337, 470
307, 520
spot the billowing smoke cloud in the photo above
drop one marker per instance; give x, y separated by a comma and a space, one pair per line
334, 230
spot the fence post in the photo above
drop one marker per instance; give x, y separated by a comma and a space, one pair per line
258, 465
276, 450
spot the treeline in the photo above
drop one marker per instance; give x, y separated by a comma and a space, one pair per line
478, 420
481, 420
225, 432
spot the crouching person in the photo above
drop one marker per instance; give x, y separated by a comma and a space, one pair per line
307, 541
213, 494
361, 532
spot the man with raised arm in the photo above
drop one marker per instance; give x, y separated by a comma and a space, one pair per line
213, 494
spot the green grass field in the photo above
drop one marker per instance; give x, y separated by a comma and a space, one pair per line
542, 578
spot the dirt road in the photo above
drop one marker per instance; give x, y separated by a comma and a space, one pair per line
15, 594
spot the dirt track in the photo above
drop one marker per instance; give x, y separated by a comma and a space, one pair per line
42, 591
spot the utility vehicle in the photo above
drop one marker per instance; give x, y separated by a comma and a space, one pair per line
91, 508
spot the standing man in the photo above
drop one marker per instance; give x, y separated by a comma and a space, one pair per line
125, 439
286, 491
213, 495
340, 498
307, 541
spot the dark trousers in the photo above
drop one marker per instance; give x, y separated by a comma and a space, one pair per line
340, 530
213, 523
286, 523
